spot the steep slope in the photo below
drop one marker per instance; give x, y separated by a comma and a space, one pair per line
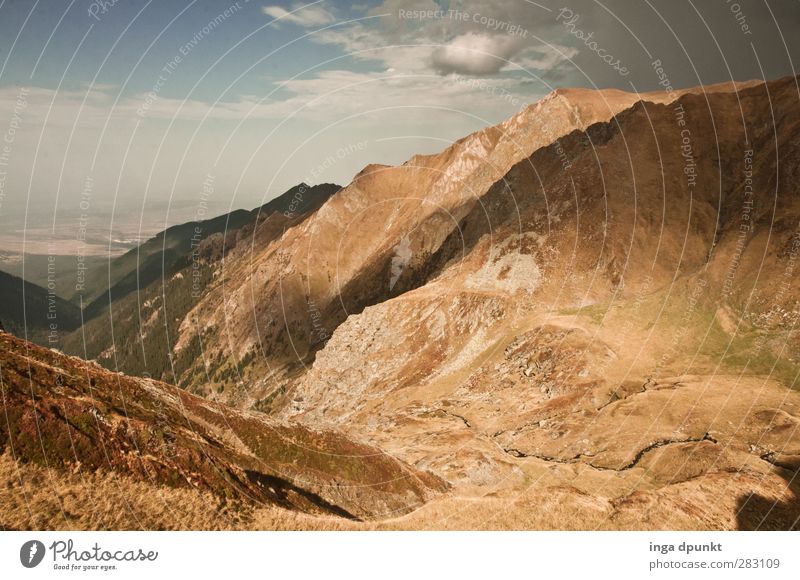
625, 323
136, 334
372, 241
55, 270
158, 256
153, 258
30, 310
68, 415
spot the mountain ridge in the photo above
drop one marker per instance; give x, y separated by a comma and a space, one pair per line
571, 316
351, 277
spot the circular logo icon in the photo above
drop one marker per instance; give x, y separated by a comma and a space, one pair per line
31, 553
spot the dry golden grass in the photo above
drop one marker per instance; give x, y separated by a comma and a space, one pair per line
33, 497
38, 498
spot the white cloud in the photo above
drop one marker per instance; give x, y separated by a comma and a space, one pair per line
476, 54
405, 78
446, 46
307, 17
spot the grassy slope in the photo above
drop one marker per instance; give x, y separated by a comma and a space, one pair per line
65, 414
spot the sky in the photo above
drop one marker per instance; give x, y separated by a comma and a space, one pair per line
158, 111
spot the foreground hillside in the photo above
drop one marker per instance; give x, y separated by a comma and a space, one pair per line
73, 420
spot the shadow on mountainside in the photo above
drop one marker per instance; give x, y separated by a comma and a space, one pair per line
756, 512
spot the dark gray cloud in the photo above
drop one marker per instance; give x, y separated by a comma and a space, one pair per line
696, 41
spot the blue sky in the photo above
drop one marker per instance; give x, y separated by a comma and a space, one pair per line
147, 99
124, 34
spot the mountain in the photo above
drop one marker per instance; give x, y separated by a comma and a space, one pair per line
379, 237
57, 270
617, 315
169, 273
581, 318
30, 310
273, 311
66, 416
568, 299
151, 260
266, 311
158, 256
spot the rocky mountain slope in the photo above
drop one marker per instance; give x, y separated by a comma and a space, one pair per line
373, 240
625, 324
